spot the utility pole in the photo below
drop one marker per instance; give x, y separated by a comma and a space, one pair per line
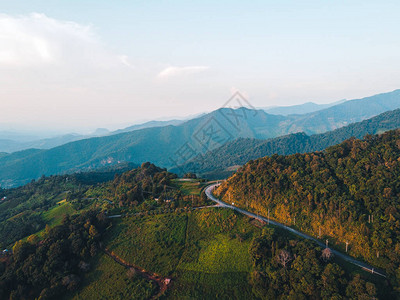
347, 245
319, 233
294, 221
369, 219
268, 216
326, 242
377, 254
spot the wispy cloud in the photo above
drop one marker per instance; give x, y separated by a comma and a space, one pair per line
125, 61
38, 40
181, 71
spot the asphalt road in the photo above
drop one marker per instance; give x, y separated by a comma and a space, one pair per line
351, 260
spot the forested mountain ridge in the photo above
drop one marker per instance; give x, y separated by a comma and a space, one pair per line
205, 251
235, 153
163, 145
299, 109
346, 113
54, 226
21, 209
347, 193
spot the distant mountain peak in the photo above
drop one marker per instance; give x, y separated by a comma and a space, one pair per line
101, 131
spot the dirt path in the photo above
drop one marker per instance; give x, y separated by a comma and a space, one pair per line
162, 282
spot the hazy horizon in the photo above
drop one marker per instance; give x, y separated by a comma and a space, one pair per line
72, 66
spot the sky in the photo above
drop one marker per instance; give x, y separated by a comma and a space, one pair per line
78, 65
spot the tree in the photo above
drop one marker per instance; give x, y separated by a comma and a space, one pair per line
33, 239
190, 176
284, 257
131, 273
327, 254
93, 231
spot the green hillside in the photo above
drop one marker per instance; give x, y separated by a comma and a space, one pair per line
348, 193
207, 253
168, 146
215, 163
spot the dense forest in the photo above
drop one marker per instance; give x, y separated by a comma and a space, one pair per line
48, 268
56, 229
137, 185
216, 163
22, 208
348, 194
52, 226
296, 269
27, 209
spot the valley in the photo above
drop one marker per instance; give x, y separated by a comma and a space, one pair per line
301, 220
208, 252
184, 150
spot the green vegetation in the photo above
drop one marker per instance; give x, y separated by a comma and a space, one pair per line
217, 163
204, 251
154, 243
219, 255
27, 209
207, 252
349, 193
109, 280
55, 215
214, 253
292, 268
189, 187
51, 267
160, 144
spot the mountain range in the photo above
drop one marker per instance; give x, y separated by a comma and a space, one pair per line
222, 161
173, 146
304, 108
12, 142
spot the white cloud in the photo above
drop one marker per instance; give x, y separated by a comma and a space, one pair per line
181, 71
37, 40
125, 60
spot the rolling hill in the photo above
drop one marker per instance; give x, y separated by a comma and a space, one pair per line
172, 146
219, 162
299, 109
347, 194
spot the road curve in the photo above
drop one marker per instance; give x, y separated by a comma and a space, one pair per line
351, 260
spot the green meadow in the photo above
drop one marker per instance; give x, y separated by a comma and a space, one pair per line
205, 252
109, 280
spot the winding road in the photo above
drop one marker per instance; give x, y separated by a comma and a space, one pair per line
347, 258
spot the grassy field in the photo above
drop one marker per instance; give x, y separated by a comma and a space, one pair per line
55, 215
197, 285
219, 255
154, 243
216, 263
189, 186
205, 251
109, 280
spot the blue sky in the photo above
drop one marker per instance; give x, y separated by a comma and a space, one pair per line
86, 64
